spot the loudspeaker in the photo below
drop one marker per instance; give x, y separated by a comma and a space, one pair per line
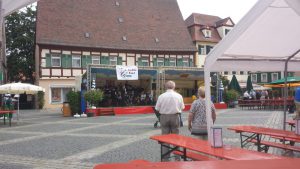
153, 86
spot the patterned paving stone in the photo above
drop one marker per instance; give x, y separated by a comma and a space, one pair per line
54, 147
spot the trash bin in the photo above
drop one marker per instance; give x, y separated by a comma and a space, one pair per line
66, 110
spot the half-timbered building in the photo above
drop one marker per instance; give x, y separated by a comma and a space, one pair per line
74, 34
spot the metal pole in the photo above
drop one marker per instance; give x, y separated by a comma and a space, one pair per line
285, 86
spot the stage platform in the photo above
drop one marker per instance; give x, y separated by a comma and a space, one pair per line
135, 110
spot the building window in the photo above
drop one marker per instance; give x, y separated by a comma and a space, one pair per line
172, 61
96, 60
185, 62
160, 61
241, 72
234, 72
208, 49
254, 78
143, 62
274, 76
225, 73
264, 77
76, 61
207, 33
113, 60
227, 31
59, 95
201, 50
55, 60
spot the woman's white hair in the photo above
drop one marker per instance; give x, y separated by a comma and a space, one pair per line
170, 85
201, 92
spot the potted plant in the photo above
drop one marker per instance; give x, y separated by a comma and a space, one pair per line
230, 97
74, 101
93, 97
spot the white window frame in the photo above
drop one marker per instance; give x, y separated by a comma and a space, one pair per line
172, 61
202, 50
113, 60
160, 61
96, 60
55, 57
76, 59
61, 93
264, 79
185, 62
207, 33
254, 78
145, 61
272, 75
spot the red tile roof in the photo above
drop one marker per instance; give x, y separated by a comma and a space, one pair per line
145, 24
196, 22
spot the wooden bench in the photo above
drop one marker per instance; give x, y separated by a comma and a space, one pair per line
195, 156
268, 144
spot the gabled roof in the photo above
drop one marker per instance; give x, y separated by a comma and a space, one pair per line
196, 22
201, 19
224, 22
155, 25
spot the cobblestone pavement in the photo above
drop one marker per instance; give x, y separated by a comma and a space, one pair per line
46, 140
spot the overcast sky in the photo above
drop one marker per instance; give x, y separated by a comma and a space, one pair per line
235, 9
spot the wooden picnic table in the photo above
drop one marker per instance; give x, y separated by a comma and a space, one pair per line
250, 133
220, 164
204, 147
8, 113
291, 123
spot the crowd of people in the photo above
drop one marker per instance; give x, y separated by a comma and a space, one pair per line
125, 95
255, 95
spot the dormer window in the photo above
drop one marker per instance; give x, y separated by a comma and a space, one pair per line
206, 32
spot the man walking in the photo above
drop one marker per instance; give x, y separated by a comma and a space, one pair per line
169, 105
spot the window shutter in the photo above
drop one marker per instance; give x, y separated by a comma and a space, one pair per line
140, 62
167, 62
191, 63
119, 61
154, 62
88, 60
83, 61
180, 62
258, 78
48, 60
64, 61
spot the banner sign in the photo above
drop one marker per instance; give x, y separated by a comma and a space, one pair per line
127, 72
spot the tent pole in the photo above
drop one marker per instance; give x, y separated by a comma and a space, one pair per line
207, 101
285, 86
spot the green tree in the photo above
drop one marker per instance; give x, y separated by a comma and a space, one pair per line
20, 40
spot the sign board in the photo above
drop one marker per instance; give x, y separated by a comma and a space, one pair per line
127, 72
216, 137
297, 125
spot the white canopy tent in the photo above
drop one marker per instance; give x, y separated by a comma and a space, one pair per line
7, 7
266, 37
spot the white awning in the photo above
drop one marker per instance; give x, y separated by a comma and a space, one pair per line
264, 38
10, 6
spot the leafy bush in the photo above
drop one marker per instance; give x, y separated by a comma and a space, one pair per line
94, 96
41, 99
74, 101
231, 95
